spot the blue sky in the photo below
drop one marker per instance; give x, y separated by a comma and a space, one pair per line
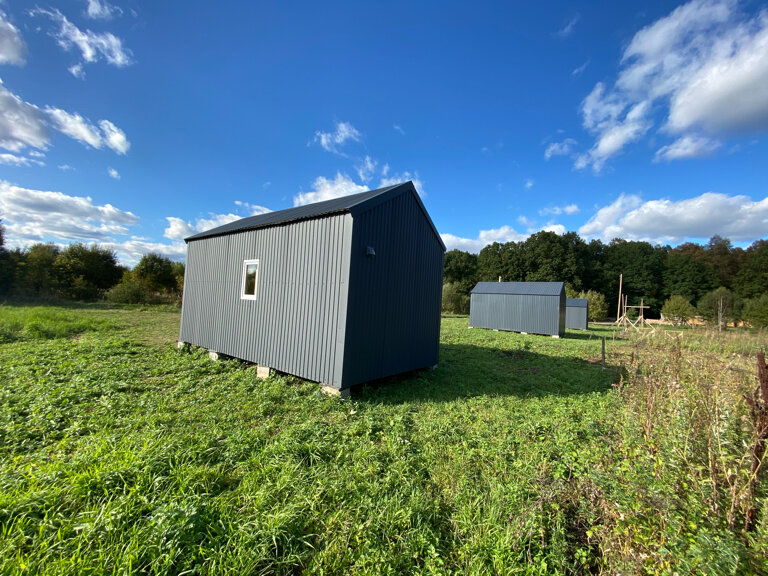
133, 124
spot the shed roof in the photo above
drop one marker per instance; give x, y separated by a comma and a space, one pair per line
335, 205
576, 302
519, 288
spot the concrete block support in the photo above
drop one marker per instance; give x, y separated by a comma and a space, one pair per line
263, 372
331, 391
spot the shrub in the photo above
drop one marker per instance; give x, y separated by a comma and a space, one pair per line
678, 309
756, 311
127, 291
454, 302
598, 307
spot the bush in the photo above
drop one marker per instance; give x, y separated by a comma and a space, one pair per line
454, 301
756, 311
127, 292
678, 309
598, 307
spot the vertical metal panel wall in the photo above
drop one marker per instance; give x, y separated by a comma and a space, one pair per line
393, 323
577, 313
297, 322
536, 314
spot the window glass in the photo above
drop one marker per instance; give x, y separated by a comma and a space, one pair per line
250, 279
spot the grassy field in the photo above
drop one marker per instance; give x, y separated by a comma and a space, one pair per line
517, 455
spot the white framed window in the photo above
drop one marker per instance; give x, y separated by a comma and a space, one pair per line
250, 285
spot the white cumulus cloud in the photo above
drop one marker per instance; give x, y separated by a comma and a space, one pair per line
21, 124
179, 228
113, 173
12, 47
40, 215
704, 67
401, 177
326, 189
24, 125
484, 238
101, 10
114, 137
666, 221
74, 126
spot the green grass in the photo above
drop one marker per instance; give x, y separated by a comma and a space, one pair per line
517, 455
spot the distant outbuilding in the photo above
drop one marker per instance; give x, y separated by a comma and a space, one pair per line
530, 307
340, 292
577, 313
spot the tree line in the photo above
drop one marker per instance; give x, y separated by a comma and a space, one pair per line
651, 273
86, 273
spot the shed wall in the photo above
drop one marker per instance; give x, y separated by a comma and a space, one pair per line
518, 313
576, 317
393, 322
297, 322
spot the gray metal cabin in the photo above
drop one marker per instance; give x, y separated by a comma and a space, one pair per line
340, 292
577, 313
531, 307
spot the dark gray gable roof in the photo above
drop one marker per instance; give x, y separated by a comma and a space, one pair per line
527, 288
333, 206
576, 302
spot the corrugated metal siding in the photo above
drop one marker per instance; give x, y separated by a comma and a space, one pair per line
518, 313
297, 323
393, 324
576, 315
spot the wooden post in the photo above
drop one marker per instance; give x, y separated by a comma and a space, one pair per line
603, 352
618, 308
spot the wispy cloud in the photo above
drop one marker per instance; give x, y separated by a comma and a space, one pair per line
398, 128
14, 160
528, 184
366, 169
687, 147
569, 209
333, 141
569, 27
564, 148
580, 70
92, 46
113, 173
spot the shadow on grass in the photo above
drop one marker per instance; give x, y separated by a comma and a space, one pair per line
467, 371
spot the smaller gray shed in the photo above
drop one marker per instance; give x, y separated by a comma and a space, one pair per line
532, 307
576, 313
